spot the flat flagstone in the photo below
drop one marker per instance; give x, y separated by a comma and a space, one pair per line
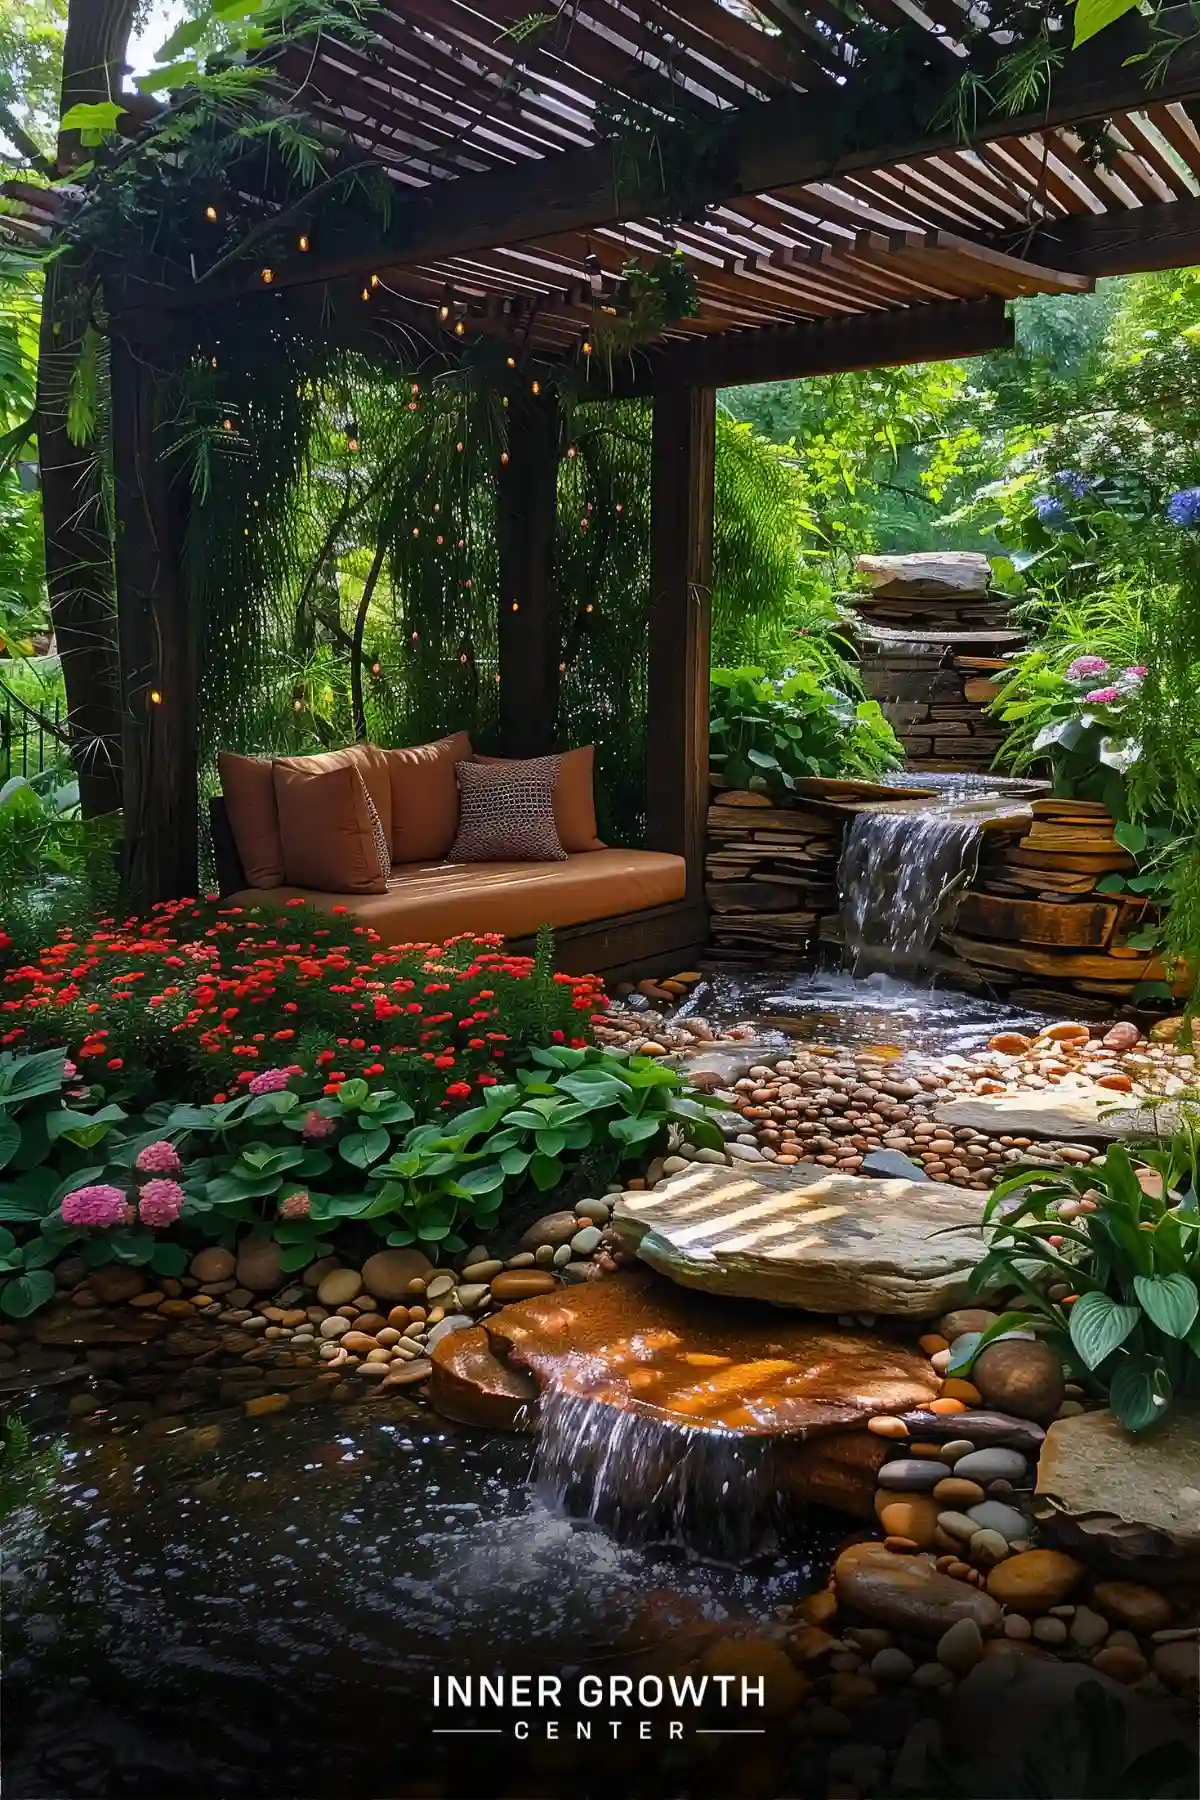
1086, 1112
809, 1237
1132, 1502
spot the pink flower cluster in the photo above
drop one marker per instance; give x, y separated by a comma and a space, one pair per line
160, 1202
161, 1158
1085, 666
1103, 696
99, 1205
270, 1081
295, 1206
317, 1126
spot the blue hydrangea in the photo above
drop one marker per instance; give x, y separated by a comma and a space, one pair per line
1051, 513
1183, 508
1073, 481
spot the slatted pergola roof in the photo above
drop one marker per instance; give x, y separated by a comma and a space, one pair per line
510, 212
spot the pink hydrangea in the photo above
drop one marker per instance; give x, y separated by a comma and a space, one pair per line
160, 1202
1102, 696
1136, 673
98, 1204
69, 1070
270, 1081
1084, 666
316, 1127
295, 1206
161, 1158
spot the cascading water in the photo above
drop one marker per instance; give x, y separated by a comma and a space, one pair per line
899, 874
646, 1480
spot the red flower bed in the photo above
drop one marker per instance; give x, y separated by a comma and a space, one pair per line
217, 995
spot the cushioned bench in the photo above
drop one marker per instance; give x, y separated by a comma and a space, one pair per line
431, 901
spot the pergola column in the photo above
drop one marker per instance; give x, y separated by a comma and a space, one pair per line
681, 549
529, 623
158, 661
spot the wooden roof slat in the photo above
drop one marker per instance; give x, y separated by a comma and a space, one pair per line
1148, 151
1180, 133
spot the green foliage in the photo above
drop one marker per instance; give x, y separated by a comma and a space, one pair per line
55, 866
766, 734
28, 1471
1123, 1264
569, 1105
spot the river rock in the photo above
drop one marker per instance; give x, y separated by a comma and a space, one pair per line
1133, 1604
994, 1515
60, 1324
1035, 1580
258, 1265
212, 1264
1022, 1376
908, 1592
117, 1282
996, 1464
834, 1243
892, 1163
388, 1273
470, 1383
445, 1327
1129, 1504
553, 1228
639, 1343
983, 1428
523, 1284
913, 1474
339, 1287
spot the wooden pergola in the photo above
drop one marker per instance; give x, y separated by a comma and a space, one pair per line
818, 245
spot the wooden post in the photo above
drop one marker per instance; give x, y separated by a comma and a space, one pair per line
158, 663
530, 631
681, 537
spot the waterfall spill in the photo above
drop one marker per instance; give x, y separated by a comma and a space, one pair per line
899, 875
646, 1480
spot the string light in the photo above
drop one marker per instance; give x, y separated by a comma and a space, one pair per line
374, 281
211, 214
416, 637
212, 362
511, 361
562, 668
460, 329
504, 456
302, 242
458, 447
366, 293
437, 506
535, 387
516, 606
586, 347
571, 450
352, 444
416, 531
376, 668
155, 697
441, 540
589, 607
415, 388
226, 424
268, 276
620, 506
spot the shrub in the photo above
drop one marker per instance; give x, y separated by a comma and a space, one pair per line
1111, 1269
197, 1000
55, 866
768, 734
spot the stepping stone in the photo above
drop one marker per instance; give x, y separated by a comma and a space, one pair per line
1066, 1113
1132, 1503
810, 1238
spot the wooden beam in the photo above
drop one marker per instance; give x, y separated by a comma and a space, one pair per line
158, 663
529, 624
867, 341
1165, 235
681, 550
781, 143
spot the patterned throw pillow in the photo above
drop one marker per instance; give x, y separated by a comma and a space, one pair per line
506, 812
383, 849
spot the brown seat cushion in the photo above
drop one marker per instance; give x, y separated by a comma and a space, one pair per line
333, 838
574, 798
427, 903
424, 809
248, 784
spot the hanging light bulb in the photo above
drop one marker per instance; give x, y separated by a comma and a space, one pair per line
511, 361
586, 347
562, 668
620, 507
374, 281
589, 607
516, 606
268, 276
458, 447
416, 637
366, 293
460, 329
415, 389
155, 697
571, 450
226, 424
211, 214
302, 241
535, 387
352, 444
416, 531
504, 457
377, 668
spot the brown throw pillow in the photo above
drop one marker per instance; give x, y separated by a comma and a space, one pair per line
424, 798
506, 812
371, 764
332, 835
574, 797
248, 784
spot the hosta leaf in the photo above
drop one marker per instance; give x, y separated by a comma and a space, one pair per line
546, 1171
1140, 1392
483, 1179
25, 1293
1170, 1301
1099, 1326
10, 1139
362, 1148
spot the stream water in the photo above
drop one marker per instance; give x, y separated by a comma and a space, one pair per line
259, 1608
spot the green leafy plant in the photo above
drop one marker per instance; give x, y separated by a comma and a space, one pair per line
766, 734
570, 1104
1111, 1271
